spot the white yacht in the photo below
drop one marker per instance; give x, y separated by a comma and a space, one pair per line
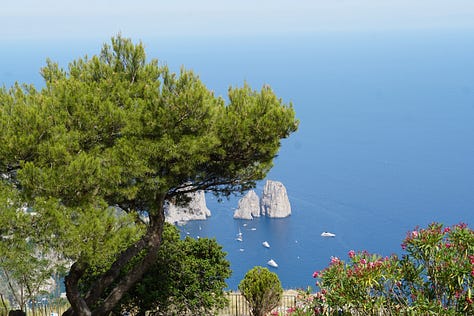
327, 234
239, 236
266, 244
272, 263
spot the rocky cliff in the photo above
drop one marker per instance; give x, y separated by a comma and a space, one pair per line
275, 202
249, 206
195, 210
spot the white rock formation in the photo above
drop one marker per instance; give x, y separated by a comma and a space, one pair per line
274, 202
195, 210
249, 206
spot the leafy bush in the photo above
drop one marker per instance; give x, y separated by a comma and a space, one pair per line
435, 276
262, 290
188, 278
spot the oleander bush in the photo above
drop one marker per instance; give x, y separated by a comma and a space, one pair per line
433, 276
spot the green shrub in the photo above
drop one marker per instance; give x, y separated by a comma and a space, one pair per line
188, 278
262, 290
435, 276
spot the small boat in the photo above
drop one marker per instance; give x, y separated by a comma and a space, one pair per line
272, 263
239, 236
266, 244
327, 234
253, 228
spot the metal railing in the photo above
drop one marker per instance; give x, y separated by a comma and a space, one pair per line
238, 306
44, 310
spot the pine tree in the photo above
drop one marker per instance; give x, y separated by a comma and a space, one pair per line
114, 136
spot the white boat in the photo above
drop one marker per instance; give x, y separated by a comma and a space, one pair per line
327, 234
272, 263
239, 236
266, 244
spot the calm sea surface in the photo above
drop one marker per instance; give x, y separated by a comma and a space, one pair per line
386, 139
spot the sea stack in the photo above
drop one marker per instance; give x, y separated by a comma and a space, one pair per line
249, 206
275, 202
195, 210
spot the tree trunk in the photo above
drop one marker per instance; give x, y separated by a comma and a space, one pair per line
153, 244
78, 304
81, 306
30, 296
22, 299
109, 276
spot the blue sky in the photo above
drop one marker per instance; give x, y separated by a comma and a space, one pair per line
54, 19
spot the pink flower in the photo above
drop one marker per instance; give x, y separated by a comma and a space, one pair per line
351, 254
404, 246
461, 225
362, 261
472, 272
414, 234
315, 274
447, 230
335, 260
448, 245
471, 258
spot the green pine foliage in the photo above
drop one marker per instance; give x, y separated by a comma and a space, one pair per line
117, 132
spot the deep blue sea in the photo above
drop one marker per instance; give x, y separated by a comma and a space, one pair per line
386, 137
